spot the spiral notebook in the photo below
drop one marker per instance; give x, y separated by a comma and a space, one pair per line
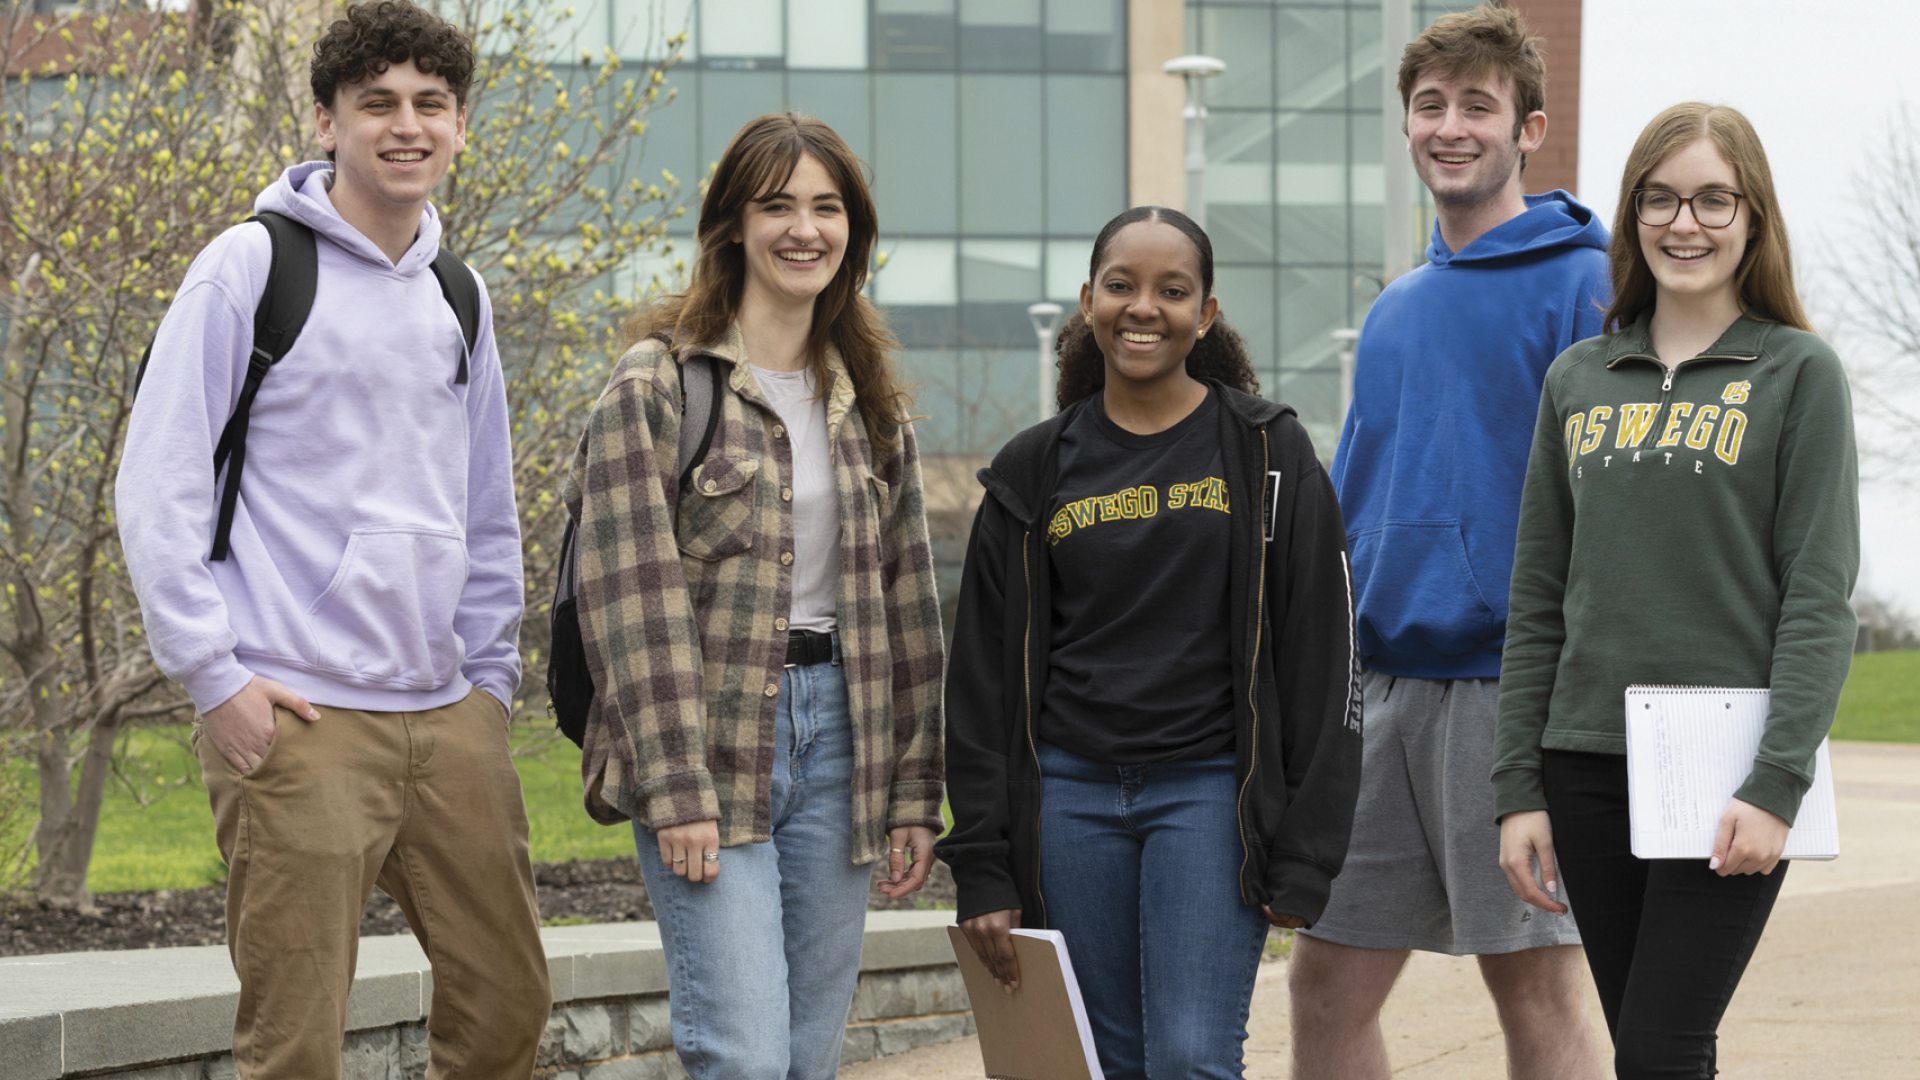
1688, 750
1038, 1032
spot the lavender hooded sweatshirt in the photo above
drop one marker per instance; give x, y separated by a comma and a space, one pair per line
375, 558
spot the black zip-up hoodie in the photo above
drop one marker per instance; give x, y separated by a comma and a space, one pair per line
1296, 670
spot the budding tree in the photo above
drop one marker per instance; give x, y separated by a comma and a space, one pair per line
132, 134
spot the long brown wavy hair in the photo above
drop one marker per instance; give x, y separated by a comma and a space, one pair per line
761, 158
1764, 279
1220, 355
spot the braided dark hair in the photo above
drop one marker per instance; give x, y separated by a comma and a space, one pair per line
1221, 354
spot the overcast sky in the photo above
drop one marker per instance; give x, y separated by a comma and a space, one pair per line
1821, 83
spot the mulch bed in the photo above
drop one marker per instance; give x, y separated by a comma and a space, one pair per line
600, 891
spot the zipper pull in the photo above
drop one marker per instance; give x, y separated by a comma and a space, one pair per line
1668, 385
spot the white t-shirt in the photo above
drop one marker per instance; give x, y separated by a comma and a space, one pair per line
816, 505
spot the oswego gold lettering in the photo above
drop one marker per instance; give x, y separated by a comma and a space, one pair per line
1136, 504
1714, 428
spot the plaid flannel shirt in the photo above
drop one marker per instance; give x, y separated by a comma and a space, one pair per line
684, 597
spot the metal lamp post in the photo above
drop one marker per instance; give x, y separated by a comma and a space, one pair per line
1348, 340
1046, 319
1193, 69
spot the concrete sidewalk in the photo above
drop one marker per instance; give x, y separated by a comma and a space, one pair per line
1833, 992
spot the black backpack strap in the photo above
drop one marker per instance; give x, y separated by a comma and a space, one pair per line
463, 296
140, 373
568, 586
284, 305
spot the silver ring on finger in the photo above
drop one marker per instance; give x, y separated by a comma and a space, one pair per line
710, 857
681, 861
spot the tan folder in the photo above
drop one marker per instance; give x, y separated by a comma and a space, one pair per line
1039, 1032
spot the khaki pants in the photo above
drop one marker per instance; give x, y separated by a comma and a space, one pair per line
426, 805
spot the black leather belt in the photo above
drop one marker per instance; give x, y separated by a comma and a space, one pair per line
808, 647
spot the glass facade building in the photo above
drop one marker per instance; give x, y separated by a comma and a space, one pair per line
998, 133
1295, 181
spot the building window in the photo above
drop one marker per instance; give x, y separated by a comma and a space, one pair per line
1086, 149
744, 33
915, 162
1086, 35
1000, 35
1001, 155
829, 34
914, 35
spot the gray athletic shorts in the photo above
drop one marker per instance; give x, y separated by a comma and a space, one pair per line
1423, 868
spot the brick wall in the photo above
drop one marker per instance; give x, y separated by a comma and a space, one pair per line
1557, 165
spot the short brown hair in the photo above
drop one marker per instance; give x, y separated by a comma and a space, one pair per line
1490, 39
374, 37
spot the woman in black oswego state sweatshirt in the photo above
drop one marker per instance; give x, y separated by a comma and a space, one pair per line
1691, 517
1153, 723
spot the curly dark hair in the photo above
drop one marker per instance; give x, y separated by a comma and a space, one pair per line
374, 37
1221, 354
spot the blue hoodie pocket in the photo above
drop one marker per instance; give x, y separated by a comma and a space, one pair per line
1418, 594
386, 618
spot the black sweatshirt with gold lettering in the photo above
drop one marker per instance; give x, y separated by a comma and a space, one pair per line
1294, 663
1698, 526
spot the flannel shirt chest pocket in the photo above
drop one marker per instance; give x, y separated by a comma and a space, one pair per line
716, 516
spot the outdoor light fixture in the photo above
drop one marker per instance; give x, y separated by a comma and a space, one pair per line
1046, 319
1193, 69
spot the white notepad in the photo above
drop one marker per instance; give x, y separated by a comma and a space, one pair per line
1688, 750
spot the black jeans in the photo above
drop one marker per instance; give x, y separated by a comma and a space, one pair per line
1667, 939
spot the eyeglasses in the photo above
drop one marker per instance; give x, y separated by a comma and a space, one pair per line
1714, 209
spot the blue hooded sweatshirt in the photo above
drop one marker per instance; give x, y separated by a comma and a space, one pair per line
1430, 462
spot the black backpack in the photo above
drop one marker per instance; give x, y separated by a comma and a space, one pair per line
569, 682
284, 305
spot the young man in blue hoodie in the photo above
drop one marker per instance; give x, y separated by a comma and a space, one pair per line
353, 655
1429, 470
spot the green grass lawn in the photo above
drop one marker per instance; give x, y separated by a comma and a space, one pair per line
157, 833
1881, 702
168, 842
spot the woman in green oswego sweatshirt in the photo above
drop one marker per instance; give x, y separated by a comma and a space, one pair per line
1691, 517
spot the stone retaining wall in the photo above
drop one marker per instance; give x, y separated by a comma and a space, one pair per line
167, 1014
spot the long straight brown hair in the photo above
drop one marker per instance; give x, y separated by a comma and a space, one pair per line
1764, 279
760, 159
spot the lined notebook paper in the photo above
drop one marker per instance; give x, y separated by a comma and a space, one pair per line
1039, 1032
1688, 750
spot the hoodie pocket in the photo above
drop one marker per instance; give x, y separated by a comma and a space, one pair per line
386, 618
1418, 593
716, 510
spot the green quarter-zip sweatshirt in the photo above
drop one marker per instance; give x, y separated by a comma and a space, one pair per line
1692, 527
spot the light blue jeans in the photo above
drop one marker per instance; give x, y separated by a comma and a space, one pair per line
1140, 866
762, 961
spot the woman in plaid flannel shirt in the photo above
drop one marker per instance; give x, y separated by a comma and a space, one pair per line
766, 642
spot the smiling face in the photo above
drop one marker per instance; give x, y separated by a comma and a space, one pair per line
392, 138
1460, 132
1687, 259
793, 237
1145, 304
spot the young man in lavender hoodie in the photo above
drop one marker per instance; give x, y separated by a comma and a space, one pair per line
352, 656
